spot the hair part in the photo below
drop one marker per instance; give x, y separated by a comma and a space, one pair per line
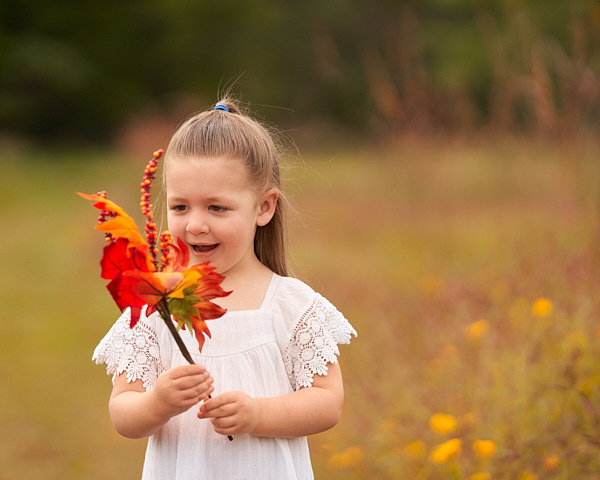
219, 133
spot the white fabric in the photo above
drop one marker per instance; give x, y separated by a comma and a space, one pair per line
267, 352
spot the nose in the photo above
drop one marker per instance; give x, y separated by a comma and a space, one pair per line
197, 223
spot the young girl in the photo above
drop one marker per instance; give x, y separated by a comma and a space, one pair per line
270, 367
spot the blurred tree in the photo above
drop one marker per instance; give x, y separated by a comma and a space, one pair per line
78, 69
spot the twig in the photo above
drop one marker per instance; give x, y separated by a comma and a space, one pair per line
163, 310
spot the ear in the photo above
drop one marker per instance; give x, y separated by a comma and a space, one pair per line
266, 207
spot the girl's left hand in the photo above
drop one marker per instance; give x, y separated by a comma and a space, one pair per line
231, 413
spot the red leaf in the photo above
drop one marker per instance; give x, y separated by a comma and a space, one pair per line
119, 257
136, 311
124, 297
151, 287
210, 310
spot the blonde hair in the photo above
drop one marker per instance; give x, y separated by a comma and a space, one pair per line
219, 133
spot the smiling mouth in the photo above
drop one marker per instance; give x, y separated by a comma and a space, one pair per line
204, 248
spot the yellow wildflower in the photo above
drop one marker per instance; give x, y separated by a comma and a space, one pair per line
446, 451
477, 329
480, 476
484, 448
542, 307
351, 457
442, 423
551, 462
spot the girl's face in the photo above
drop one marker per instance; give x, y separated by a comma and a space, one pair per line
214, 209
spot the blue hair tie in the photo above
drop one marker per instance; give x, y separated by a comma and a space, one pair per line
221, 107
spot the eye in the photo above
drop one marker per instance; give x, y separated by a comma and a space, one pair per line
178, 208
217, 209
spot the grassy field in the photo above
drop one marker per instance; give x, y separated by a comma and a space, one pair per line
471, 271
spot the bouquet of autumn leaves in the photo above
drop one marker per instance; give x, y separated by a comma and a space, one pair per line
180, 293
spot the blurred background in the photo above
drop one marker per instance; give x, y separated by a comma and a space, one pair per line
91, 71
443, 157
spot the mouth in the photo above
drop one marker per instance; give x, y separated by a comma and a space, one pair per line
205, 248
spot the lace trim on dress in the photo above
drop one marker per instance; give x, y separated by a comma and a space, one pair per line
315, 342
132, 350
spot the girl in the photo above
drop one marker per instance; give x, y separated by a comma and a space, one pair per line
271, 366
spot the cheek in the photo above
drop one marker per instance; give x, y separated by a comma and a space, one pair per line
233, 232
174, 224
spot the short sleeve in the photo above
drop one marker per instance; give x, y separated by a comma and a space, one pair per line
315, 341
132, 350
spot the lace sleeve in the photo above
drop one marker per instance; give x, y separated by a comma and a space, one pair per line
315, 342
132, 350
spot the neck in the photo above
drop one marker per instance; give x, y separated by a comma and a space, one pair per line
248, 287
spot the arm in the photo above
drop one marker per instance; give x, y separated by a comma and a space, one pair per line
304, 412
137, 413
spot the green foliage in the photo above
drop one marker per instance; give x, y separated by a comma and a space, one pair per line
182, 308
78, 70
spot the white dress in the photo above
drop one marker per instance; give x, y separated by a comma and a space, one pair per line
268, 352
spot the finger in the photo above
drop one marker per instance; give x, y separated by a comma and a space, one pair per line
194, 381
210, 413
188, 370
211, 410
193, 397
224, 422
204, 391
208, 393
200, 389
216, 402
189, 381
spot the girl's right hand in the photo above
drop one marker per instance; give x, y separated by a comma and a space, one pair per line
180, 388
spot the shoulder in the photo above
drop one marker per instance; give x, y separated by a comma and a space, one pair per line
309, 329
292, 295
293, 301
293, 286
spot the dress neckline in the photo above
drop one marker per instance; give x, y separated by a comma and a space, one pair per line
269, 294
270, 291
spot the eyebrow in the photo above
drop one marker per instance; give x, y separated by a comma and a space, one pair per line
211, 200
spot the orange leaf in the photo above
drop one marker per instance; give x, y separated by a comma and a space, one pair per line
200, 329
180, 258
121, 226
103, 203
